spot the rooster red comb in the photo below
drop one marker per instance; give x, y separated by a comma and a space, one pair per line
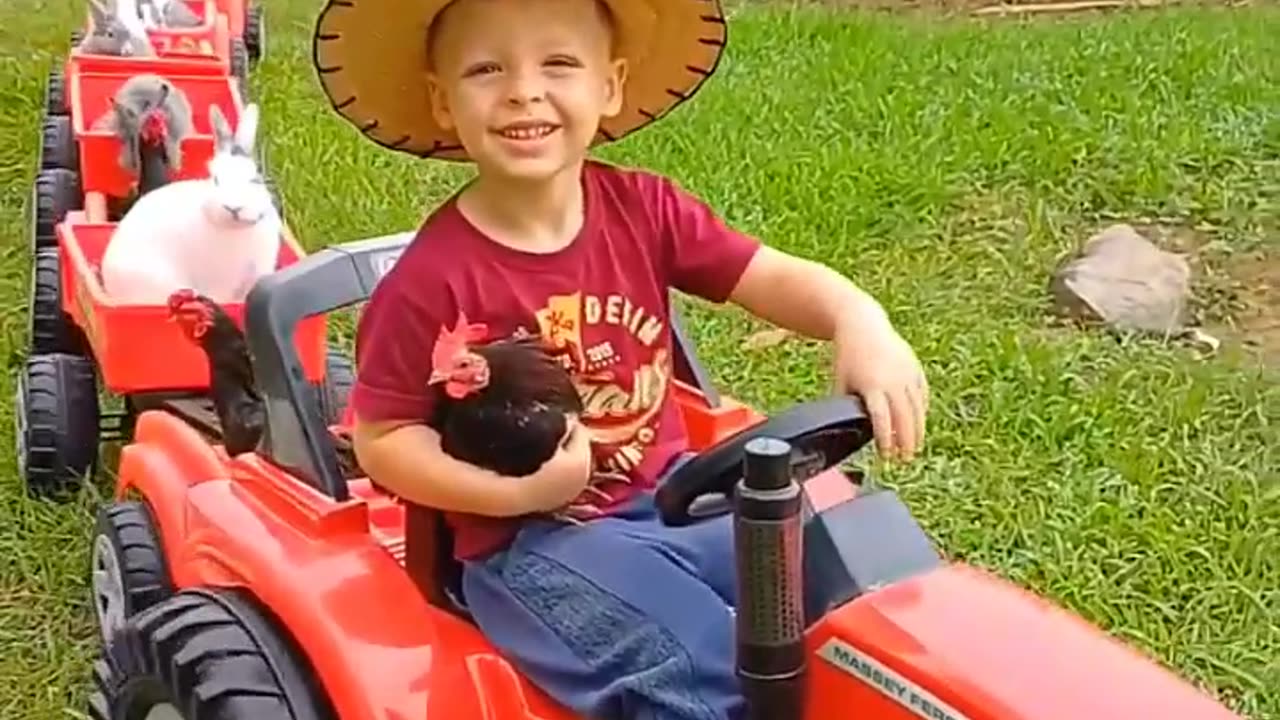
452, 362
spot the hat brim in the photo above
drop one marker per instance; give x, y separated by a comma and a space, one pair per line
371, 58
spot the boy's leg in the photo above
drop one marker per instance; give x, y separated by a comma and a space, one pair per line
609, 625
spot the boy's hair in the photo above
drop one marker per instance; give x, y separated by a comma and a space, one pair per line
603, 12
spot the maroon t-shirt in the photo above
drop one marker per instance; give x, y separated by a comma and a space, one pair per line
602, 300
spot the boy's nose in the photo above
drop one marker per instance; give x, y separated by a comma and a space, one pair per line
525, 88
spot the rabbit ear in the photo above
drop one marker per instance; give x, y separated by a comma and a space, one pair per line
99, 12
247, 129
222, 138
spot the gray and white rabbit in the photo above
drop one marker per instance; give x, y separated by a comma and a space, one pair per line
215, 235
167, 14
116, 30
139, 97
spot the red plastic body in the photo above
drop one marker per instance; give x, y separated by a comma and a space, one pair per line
136, 347
90, 95
235, 12
332, 573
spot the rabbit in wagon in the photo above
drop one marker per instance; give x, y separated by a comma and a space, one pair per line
116, 30
216, 236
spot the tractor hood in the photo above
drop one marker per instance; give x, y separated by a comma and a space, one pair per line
955, 643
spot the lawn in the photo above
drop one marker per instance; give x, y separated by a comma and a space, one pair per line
947, 165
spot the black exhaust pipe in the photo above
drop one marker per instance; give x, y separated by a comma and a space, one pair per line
770, 613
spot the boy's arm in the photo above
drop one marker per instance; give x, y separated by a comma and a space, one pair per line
708, 258
404, 456
819, 302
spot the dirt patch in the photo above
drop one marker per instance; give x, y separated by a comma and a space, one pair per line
1235, 295
1244, 304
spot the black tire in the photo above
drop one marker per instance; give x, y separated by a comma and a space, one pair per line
335, 389
209, 654
55, 93
56, 424
51, 329
126, 565
55, 193
76, 37
254, 31
240, 66
58, 147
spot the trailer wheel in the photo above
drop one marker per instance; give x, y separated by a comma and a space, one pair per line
58, 148
51, 328
55, 93
240, 66
56, 192
254, 31
56, 423
204, 655
335, 389
127, 569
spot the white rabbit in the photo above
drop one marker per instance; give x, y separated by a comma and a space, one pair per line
214, 235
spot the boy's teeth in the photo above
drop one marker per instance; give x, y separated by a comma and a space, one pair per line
527, 133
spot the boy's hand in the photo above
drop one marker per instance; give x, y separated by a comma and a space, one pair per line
873, 361
561, 478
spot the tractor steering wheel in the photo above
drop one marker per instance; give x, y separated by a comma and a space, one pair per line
822, 433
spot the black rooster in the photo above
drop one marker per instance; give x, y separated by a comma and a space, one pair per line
503, 405
235, 396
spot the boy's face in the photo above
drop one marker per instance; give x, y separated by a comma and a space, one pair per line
524, 83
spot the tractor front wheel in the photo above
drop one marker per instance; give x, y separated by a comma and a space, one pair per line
128, 573
56, 423
206, 655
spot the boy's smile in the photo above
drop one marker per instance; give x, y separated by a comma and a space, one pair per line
524, 83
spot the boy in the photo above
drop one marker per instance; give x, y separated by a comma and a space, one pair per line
568, 571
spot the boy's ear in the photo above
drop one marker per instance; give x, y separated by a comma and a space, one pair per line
439, 102
614, 85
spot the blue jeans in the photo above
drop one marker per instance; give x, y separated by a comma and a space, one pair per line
622, 617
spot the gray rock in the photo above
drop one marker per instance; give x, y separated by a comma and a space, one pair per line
1121, 280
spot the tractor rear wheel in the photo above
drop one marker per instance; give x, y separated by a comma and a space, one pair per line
206, 655
56, 423
335, 389
128, 573
51, 329
56, 192
58, 148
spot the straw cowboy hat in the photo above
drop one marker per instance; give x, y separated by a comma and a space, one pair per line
371, 57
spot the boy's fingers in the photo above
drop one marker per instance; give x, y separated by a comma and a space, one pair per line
920, 406
904, 423
881, 420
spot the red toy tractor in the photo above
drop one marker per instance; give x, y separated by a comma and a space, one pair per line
281, 584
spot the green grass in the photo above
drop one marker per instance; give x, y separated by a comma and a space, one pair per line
947, 166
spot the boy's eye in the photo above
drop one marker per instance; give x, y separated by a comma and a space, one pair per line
480, 69
563, 61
